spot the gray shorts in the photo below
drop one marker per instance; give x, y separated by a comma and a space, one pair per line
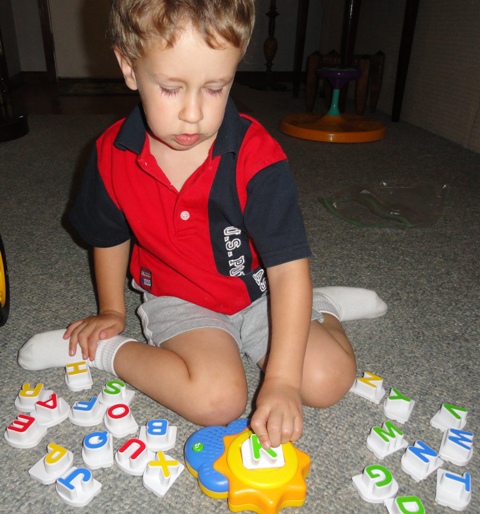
165, 317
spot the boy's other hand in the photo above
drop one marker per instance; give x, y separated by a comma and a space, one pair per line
278, 417
87, 332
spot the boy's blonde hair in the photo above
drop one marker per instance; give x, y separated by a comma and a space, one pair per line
133, 23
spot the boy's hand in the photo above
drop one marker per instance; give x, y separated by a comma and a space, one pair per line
87, 332
278, 417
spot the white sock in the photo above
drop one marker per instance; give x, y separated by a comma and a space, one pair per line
349, 303
50, 350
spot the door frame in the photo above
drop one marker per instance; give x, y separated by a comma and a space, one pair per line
48, 42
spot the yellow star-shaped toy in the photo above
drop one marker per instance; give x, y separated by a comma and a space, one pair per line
265, 490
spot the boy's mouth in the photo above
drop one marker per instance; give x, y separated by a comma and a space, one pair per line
186, 139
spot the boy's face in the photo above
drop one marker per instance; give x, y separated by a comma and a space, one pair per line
184, 89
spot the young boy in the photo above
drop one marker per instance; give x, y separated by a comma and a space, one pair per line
205, 197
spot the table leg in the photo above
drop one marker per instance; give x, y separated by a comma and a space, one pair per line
409, 21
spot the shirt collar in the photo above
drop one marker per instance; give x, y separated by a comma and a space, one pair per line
133, 131
230, 133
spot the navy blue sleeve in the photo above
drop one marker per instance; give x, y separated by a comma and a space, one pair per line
273, 217
94, 215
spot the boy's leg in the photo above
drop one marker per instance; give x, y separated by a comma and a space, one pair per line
329, 367
198, 374
50, 350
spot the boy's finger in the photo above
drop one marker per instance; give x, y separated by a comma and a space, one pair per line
297, 429
72, 348
275, 429
259, 426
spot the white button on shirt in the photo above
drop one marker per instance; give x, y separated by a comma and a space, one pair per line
185, 215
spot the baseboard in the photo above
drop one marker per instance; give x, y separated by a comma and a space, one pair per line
41, 77
27, 78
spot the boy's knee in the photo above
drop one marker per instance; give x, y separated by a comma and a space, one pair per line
220, 406
326, 387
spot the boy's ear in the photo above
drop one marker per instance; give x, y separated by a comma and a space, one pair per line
127, 69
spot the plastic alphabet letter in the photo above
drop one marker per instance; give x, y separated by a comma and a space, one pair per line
85, 473
453, 490
376, 484
422, 451
409, 505
119, 410
85, 406
141, 447
257, 448
398, 395
22, 423
163, 463
454, 410
114, 387
76, 368
462, 438
466, 479
389, 431
51, 403
29, 392
157, 426
55, 453
370, 379
96, 439
380, 472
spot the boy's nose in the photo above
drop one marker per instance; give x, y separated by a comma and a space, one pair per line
191, 111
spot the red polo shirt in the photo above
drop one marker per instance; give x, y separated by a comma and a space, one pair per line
210, 242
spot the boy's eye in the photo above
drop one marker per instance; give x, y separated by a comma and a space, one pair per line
168, 92
215, 92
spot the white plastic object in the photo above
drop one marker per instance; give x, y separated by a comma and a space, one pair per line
78, 376
97, 450
29, 396
457, 446
133, 457
254, 456
52, 465
88, 414
52, 411
449, 416
24, 432
419, 461
77, 487
369, 386
386, 440
397, 406
375, 484
158, 435
161, 473
115, 391
404, 505
453, 490
120, 421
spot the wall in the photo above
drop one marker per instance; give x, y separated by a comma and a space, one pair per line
29, 35
81, 50
442, 93
285, 28
9, 38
